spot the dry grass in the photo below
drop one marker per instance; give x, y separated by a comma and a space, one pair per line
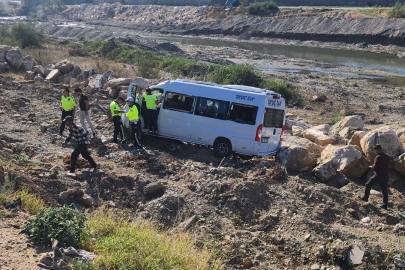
31, 203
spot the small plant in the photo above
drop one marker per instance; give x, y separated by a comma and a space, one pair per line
398, 11
21, 159
335, 118
62, 223
236, 74
26, 35
262, 8
30, 203
82, 38
3, 199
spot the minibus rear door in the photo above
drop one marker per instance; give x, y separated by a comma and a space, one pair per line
273, 123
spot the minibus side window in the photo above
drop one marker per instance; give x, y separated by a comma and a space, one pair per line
178, 102
273, 118
212, 108
243, 114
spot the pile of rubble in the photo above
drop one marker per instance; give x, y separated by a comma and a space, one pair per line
341, 152
139, 14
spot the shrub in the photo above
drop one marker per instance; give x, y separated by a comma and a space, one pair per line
398, 11
62, 223
26, 35
236, 74
31, 203
262, 8
121, 244
335, 118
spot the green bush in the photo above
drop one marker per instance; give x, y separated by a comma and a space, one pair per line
262, 8
64, 224
26, 35
236, 74
398, 11
289, 93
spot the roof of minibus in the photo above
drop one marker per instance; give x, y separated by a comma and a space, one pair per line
240, 88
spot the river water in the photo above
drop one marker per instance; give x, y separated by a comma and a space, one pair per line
358, 59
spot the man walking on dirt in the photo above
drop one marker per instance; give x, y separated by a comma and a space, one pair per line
68, 107
116, 113
84, 110
151, 110
83, 140
381, 176
133, 117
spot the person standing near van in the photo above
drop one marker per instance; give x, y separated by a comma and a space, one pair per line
133, 116
84, 110
151, 108
68, 107
381, 176
116, 113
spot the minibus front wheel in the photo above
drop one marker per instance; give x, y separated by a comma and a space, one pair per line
222, 147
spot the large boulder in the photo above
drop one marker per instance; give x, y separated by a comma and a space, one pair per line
3, 52
297, 131
64, 79
64, 66
345, 160
295, 158
399, 164
318, 134
4, 67
290, 123
29, 75
314, 149
114, 83
356, 138
14, 58
39, 78
349, 121
39, 70
347, 132
384, 136
76, 71
53, 75
141, 82
28, 63
97, 81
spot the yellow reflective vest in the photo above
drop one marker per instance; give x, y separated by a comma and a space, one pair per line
150, 101
132, 113
115, 107
68, 103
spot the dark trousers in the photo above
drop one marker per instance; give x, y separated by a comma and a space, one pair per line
81, 149
152, 119
374, 180
135, 133
64, 114
117, 128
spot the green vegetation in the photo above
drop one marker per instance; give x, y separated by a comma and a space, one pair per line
398, 11
150, 65
9, 187
121, 244
262, 8
335, 118
62, 223
21, 34
31, 203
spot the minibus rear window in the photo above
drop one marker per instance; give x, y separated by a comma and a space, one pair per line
243, 114
273, 118
179, 102
212, 108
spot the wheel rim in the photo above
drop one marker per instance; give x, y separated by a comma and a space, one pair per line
222, 148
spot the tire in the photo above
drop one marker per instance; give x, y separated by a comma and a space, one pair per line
222, 148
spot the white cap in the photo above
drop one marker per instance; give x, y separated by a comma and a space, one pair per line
130, 99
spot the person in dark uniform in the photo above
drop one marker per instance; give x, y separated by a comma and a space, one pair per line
83, 140
381, 176
68, 106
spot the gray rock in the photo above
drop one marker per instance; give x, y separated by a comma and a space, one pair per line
64, 66
97, 81
93, 72
14, 58
108, 74
48, 69
64, 79
355, 255
4, 67
39, 70
399, 262
295, 158
114, 83
53, 75
76, 71
29, 75
387, 138
153, 188
3, 52
325, 172
28, 63
39, 78
141, 82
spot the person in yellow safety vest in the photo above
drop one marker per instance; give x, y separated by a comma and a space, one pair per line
67, 106
116, 113
133, 116
151, 110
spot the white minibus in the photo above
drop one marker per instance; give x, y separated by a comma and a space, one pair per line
229, 118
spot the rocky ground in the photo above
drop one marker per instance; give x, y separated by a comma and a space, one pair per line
255, 213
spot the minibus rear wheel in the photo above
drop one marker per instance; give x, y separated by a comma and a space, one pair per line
222, 147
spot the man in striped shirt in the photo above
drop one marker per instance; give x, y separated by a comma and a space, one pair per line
83, 140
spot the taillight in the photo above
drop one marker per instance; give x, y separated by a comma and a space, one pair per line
259, 133
282, 131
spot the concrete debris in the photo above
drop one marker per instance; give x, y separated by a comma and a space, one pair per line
355, 255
